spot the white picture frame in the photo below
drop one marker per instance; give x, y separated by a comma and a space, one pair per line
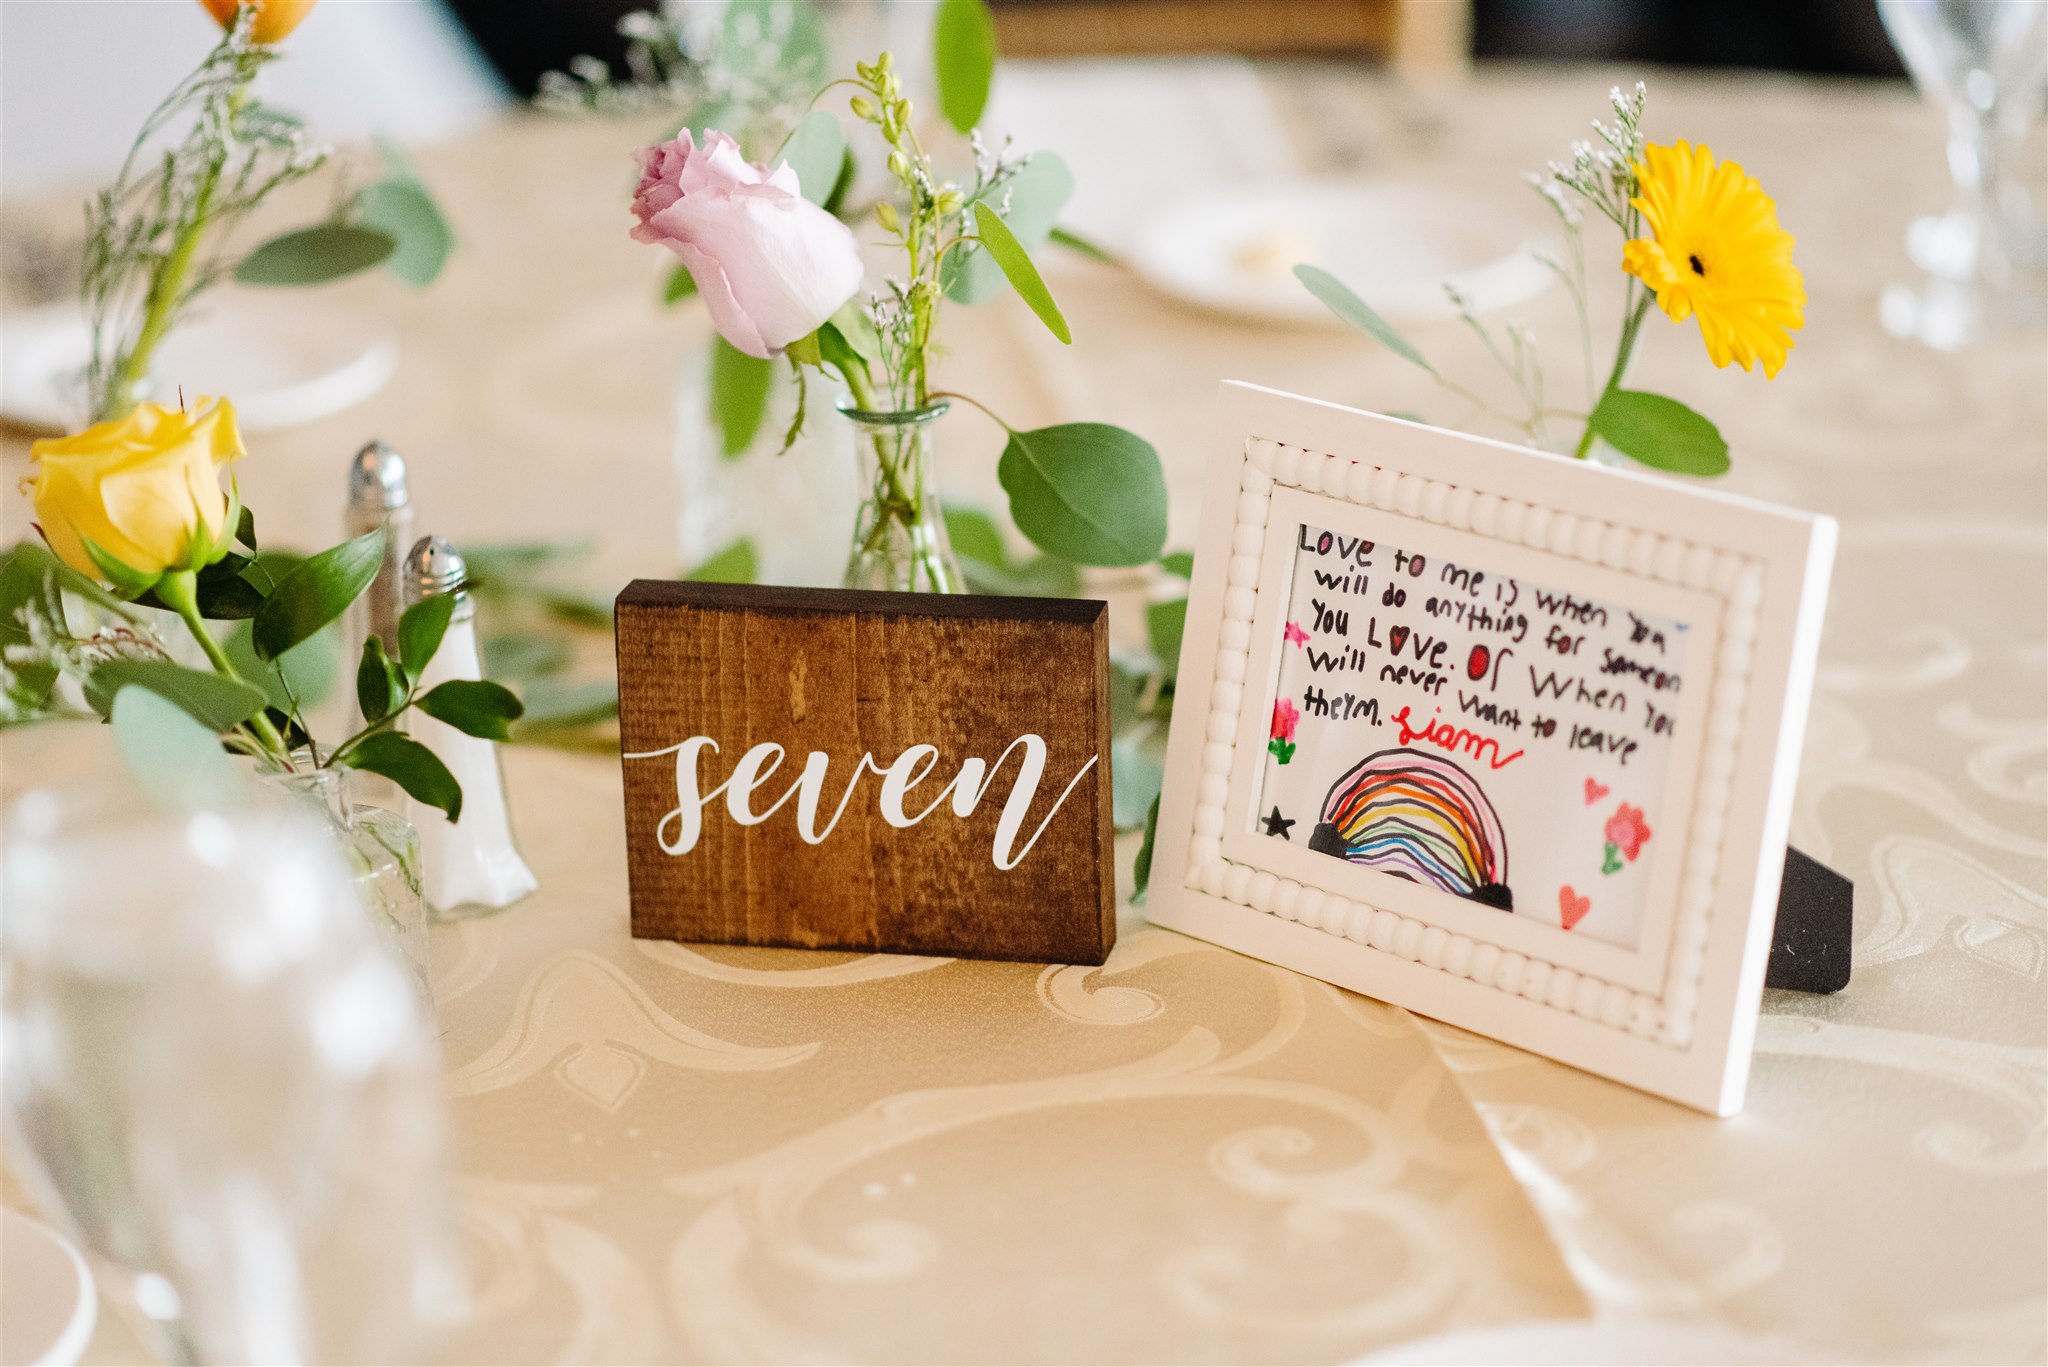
1670, 1004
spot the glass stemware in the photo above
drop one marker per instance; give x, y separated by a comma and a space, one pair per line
220, 1077
1983, 63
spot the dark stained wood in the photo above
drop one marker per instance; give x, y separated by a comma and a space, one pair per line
850, 674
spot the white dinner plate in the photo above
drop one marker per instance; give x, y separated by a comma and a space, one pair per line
282, 360
50, 1302
1394, 244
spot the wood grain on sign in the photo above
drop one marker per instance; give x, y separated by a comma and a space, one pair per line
845, 683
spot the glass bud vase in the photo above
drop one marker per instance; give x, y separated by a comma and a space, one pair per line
899, 535
382, 852
780, 512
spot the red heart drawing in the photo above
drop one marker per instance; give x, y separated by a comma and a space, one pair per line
1595, 791
1396, 638
1571, 906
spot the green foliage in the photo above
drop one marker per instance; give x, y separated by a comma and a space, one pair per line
1165, 624
1009, 254
315, 592
679, 285
985, 559
211, 699
316, 255
1136, 771
412, 766
1339, 299
475, 707
1141, 871
816, 151
1659, 432
174, 758
1082, 246
964, 58
739, 396
401, 208
1180, 564
380, 684
1086, 492
553, 707
1035, 195
736, 564
420, 630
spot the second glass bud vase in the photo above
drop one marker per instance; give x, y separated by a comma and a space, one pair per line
899, 535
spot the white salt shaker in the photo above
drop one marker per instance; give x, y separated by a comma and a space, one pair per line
472, 867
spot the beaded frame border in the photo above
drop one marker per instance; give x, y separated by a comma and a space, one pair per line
1734, 580
1548, 997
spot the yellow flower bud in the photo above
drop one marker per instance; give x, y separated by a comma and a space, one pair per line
862, 107
885, 214
129, 499
950, 202
899, 165
885, 61
275, 19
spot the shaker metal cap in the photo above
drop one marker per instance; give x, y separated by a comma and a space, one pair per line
376, 478
434, 567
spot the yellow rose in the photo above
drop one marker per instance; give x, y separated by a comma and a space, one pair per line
274, 18
128, 500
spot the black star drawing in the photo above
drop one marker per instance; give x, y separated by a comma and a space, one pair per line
1279, 825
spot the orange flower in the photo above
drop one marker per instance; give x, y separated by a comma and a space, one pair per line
275, 19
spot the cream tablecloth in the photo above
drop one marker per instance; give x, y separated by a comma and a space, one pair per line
676, 1153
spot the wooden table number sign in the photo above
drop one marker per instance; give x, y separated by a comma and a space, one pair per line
913, 773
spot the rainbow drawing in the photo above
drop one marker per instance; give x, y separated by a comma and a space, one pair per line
1420, 817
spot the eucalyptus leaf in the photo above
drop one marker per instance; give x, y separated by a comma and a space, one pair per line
736, 564
739, 396
303, 676
475, 707
1165, 624
1016, 265
174, 758
401, 208
964, 59
524, 655
1086, 492
1136, 771
1141, 869
315, 592
420, 630
816, 151
213, 700
679, 286
316, 255
563, 707
1339, 299
1661, 433
1035, 196
412, 766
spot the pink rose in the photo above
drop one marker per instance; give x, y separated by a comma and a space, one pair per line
770, 264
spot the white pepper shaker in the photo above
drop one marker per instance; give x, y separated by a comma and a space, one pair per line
469, 867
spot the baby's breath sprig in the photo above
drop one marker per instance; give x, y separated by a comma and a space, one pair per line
144, 232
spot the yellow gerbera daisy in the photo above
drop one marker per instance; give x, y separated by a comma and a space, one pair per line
1718, 253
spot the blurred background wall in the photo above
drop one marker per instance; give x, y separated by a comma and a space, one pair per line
76, 76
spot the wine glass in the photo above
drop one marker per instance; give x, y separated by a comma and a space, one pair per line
220, 1077
1982, 62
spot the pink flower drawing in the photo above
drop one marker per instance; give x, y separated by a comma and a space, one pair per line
1285, 715
1627, 831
